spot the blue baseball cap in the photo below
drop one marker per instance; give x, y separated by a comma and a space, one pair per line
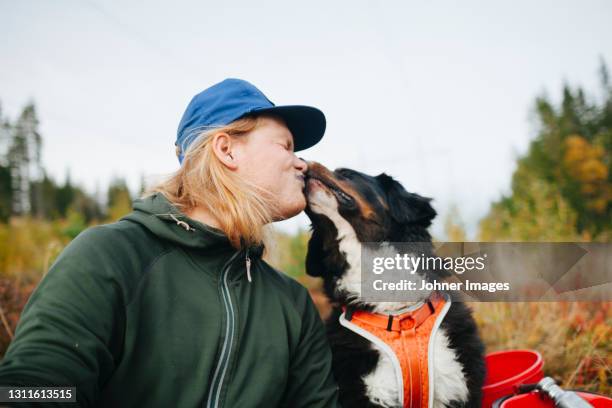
232, 99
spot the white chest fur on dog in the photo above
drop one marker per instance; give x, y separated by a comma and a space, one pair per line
449, 380
381, 384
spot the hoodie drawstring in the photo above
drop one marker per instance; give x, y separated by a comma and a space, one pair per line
182, 223
189, 228
248, 265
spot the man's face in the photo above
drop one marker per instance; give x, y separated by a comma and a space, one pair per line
267, 160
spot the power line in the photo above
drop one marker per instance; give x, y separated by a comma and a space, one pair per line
165, 54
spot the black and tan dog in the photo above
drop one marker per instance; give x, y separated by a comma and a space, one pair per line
348, 208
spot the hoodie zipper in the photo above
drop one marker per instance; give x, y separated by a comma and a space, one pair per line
214, 394
223, 362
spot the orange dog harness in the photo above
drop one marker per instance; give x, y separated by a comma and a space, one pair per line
407, 339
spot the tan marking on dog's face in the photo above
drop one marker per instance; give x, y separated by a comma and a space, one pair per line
319, 171
383, 202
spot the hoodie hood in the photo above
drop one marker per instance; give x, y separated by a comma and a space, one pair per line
164, 220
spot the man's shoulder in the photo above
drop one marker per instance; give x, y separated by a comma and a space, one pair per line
120, 234
116, 245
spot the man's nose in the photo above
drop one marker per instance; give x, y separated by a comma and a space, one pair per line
302, 165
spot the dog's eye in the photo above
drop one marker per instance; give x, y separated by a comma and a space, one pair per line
346, 173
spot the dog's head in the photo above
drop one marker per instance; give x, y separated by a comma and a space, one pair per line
348, 207
377, 208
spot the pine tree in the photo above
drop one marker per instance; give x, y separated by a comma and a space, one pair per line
6, 196
24, 159
65, 196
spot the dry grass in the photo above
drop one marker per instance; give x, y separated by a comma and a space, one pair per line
13, 297
573, 338
29, 246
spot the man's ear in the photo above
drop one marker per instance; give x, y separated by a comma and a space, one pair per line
405, 207
222, 145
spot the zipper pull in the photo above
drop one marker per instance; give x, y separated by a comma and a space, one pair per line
248, 266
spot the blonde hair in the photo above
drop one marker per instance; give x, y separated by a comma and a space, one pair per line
241, 208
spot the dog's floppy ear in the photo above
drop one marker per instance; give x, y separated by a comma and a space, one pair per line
405, 207
321, 245
314, 256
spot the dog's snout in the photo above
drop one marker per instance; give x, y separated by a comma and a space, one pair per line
316, 169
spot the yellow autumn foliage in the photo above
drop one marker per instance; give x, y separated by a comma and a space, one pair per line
584, 163
545, 216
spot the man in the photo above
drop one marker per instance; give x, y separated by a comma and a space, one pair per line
173, 305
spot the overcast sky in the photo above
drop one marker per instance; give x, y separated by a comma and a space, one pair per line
437, 93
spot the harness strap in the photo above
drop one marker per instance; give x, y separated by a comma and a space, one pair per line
398, 323
408, 338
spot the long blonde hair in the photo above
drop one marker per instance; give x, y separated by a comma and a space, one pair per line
241, 208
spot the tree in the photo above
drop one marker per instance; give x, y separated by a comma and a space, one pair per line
119, 199
143, 185
6, 196
64, 196
563, 184
24, 159
6, 192
454, 228
25, 187
44, 197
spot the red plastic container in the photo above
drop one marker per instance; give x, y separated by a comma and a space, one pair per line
507, 369
533, 400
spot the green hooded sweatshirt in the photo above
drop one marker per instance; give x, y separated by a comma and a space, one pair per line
157, 310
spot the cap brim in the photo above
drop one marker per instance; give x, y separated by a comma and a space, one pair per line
307, 124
